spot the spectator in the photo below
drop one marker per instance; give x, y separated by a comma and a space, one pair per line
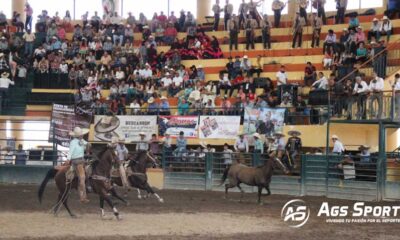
376, 86
298, 25
3, 19
277, 7
266, 32
183, 107
338, 147
5, 83
353, 22
321, 83
281, 76
142, 144
316, 25
361, 90
330, 40
227, 155
216, 10
245, 65
386, 28
362, 53
181, 144
341, 6
375, 30
28, 19
241, 144
20, 156
164, 107
360, 36
310, 74
250, 26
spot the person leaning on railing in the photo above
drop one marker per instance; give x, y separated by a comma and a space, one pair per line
396, 95
361, 90
376, 86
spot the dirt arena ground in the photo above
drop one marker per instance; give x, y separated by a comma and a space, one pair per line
184, 215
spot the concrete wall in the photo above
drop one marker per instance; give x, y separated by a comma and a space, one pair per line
23, 174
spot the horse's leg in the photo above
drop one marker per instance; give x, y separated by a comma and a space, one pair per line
102, 213
227, 186
139, 196
151, 191
65, 202
115, 194
241, 191
268, 191
111, 204
259, 193
58, 204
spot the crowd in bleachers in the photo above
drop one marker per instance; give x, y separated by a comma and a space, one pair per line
103, 54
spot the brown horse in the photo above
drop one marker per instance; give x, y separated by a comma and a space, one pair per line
137, 176
99, 180
253, 176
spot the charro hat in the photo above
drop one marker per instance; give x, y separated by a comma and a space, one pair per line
78, 132
256, 135
334, 136
279, 133
375, 20
364, 147
292, 132
107, 124
385, 18
107, 136
151, 100
121, 140
5, 75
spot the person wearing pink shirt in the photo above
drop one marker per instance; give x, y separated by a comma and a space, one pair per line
61, 32
360, 36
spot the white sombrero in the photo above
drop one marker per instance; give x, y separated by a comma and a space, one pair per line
335, 137
151, 100
78, 132
107, 124
5, 75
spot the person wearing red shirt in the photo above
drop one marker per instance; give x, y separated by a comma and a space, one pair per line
170, 34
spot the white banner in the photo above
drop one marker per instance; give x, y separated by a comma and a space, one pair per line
222, 127
128, 127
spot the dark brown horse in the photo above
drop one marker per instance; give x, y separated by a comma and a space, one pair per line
253, 176
99, 181
136, 172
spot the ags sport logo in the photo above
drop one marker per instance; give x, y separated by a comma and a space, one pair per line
295, 213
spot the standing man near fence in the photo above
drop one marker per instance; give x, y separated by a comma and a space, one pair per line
293, 148
338, 147
122, 153
5, 83
376, 86
241, 146
277, 7
77, 148
217, 11
228, 10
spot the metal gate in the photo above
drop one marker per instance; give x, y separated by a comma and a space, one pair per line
203, 171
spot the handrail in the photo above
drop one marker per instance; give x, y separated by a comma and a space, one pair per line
386, 49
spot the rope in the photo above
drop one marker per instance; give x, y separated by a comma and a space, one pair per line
66, 191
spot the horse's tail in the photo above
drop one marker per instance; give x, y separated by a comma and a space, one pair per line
225, 175
50, 174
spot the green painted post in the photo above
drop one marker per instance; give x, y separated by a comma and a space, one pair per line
303, 175
380, 176
208, 171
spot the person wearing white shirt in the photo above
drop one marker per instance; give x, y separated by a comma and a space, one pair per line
166, 81
386, 28
281, 76
376, 94
119, 74
177, 80
361, 90
338, 147
135, 107
241, 144
147, 72
396, 95
5, 83
321, 83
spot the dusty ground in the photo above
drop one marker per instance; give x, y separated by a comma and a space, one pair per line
184, 215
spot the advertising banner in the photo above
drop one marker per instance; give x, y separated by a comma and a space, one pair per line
129, 127
222, 127
265, 121
63, 119
173, 125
